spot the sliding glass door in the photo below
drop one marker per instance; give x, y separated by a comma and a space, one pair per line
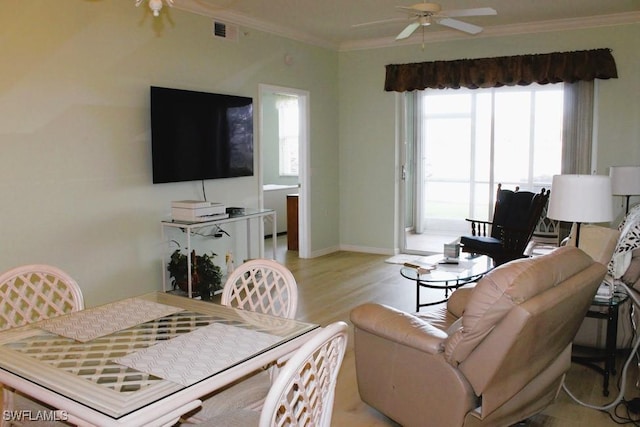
468, 141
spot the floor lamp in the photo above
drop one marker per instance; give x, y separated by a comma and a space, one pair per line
580, 198
625, 181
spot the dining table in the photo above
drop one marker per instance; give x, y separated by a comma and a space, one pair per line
144, 360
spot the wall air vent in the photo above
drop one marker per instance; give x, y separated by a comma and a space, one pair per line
222, 30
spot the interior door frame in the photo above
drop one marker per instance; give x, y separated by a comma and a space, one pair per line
304, 243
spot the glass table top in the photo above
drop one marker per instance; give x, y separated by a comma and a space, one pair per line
466, 268
92, 372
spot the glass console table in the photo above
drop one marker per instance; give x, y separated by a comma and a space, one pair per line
190, 227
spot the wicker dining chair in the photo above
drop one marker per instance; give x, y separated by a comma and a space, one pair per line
303, 393
264, 286
28, 294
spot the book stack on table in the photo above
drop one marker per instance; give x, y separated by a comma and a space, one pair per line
421, 268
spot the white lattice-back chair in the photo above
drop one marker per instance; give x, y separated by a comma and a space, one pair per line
31, 293
36, 292
263, 286
304, 391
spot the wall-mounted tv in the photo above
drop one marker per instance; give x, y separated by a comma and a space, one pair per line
198, 135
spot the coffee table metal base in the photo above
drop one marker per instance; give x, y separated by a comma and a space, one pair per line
447, 277
447, 289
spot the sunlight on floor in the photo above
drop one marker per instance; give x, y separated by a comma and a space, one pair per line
428, 242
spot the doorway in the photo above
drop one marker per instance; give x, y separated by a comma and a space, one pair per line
284, 159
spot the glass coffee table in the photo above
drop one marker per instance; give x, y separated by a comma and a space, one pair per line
445, 275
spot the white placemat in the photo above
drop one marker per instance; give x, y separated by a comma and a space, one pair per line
86, 325
192, 357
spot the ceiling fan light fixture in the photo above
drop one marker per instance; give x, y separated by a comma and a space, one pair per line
425, 21
155, 5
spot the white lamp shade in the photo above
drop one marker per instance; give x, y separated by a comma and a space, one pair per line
625, 180
580, 198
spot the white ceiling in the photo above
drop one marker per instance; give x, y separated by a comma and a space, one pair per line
330, 23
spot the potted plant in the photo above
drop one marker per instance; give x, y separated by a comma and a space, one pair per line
206, 277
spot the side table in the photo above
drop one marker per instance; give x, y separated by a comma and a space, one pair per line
605, 309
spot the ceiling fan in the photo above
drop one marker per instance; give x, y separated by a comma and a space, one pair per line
425, 14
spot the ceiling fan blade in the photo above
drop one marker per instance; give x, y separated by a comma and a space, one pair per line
381, 21
459, 25
481, 11
421, 8
408, 30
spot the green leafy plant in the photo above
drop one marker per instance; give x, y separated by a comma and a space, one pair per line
206, 277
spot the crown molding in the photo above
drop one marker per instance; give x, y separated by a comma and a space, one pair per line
206, 9
202, 8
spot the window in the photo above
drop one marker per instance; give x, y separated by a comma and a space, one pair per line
288, 133
471, 140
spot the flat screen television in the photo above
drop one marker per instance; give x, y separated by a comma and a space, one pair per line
198, 135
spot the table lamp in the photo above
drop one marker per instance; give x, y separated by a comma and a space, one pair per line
580, 198
625, 181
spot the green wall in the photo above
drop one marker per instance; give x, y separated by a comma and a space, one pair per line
369, 168
269, 139
75, 169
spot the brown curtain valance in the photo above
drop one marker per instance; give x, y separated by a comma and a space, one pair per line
522, 70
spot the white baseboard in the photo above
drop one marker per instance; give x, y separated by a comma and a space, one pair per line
366, 249
325, 251
352, 248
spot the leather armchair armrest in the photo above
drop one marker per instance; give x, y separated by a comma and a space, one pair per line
458, 301
398, 326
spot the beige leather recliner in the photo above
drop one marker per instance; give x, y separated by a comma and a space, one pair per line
501, 362
599, 243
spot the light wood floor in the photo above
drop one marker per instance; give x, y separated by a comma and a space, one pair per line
330, 286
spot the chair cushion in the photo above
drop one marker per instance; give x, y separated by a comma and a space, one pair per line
239, 418
506, 286
481, 244
246, 394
